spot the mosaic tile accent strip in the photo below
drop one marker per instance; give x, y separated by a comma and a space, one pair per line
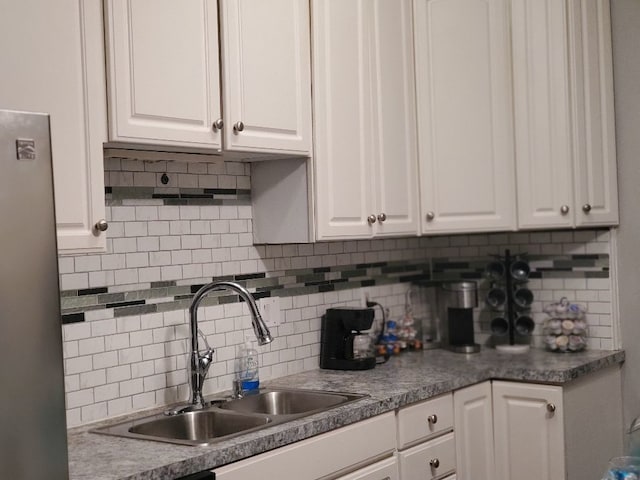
114, 196
167, 295
542, 266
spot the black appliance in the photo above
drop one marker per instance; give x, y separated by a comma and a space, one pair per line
458, 299
339, 331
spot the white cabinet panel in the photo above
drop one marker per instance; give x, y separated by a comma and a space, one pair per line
463, 71
473, 413
53, 62
364, 119
164, 82
341, 118
267, 75
565, 143
543, 132
596, 194
395, 188
529, 438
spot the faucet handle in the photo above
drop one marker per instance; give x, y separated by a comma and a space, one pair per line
204, 360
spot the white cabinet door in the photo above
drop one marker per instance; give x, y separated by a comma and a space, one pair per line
343, 115
473, 417
529, 437
465, 120
542, 115
395, 189
365, 161
53, 62
164, 79
267, 75
596, 192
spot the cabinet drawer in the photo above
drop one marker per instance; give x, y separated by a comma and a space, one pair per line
423, 420
384, 470
432, 460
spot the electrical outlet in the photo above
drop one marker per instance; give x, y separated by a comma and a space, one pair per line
270, 311
365, 296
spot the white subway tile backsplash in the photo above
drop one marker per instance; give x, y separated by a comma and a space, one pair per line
131, 387
117, 364
118, 374
93, 378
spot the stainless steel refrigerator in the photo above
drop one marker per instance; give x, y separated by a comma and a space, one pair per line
33, 437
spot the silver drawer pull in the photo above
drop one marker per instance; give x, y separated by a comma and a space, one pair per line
432, 419
435, 463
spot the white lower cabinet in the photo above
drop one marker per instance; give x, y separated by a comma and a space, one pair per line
503, 431
473, 419
540, 432
425, 439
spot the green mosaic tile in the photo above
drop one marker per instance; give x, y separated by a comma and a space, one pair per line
105, 298
135, 310
262, 282
76, 302
170, 306
181, 290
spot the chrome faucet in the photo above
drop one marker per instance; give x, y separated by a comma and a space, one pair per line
200, 362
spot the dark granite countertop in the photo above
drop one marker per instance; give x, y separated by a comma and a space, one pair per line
405, 379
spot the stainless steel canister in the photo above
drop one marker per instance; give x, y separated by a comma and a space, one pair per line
460, 294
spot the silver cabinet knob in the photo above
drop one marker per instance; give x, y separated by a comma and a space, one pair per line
238, 126
551, 408
564, 209
101, 225
430, 216
371, 219
218, 124
435, 463
382, 217
432, 419
586, 208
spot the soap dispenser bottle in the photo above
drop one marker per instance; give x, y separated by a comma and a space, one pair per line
248, 369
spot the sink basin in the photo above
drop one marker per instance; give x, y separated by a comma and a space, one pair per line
230, 418
288, 402
200, 427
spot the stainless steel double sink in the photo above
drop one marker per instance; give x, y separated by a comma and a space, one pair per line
225, 419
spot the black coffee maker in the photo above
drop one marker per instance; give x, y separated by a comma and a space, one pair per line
340, 329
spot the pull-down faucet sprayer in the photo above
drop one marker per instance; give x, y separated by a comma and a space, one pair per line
200, 362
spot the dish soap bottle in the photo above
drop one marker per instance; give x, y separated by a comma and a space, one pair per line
249, 378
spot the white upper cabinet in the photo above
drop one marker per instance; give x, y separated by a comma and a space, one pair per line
542, 115
364, 119
563, 87
53, 62
165, 74
465, 122
596, 192
164, 80
266, 75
